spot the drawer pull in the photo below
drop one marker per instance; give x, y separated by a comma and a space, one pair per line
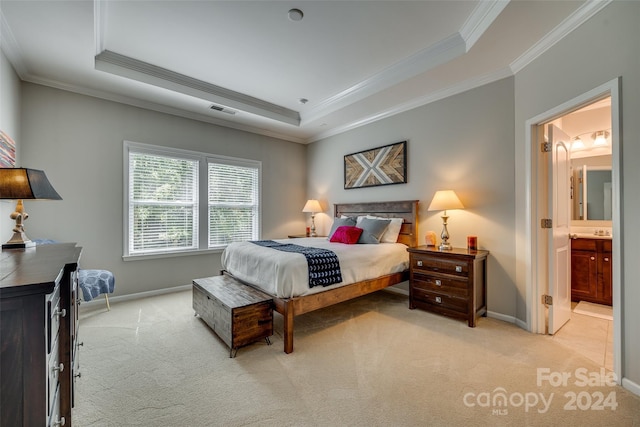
439, 300
593, 258
606, 259
60, 422
58, 369
458, 269
61, 313
419, 263
438, 282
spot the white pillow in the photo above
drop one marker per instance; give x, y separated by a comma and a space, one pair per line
393, 230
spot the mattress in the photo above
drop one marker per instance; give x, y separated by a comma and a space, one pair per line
286, 275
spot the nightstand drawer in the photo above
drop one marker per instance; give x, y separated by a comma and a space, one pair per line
440, 284
428, 264
435, 300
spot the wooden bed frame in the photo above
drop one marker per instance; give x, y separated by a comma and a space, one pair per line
291, 307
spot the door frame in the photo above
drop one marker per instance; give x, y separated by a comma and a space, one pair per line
536, 244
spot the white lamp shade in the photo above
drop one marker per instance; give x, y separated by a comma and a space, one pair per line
444, 200
312, 206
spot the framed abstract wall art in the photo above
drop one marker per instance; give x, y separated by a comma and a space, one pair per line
7, 151
384, 165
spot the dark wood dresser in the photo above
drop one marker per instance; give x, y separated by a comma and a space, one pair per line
452, 283
38, 332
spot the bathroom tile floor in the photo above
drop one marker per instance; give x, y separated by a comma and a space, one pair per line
590, 336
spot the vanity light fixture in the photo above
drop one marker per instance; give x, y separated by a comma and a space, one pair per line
600, 138
577, 143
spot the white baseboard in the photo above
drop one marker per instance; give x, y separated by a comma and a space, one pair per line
138, 295
500, 316
631, 386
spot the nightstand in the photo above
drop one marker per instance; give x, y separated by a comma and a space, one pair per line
452, 283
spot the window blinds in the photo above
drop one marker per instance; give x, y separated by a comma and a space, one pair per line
233, 198
163, 203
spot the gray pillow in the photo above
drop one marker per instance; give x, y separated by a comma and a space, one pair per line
351, 222
372, 229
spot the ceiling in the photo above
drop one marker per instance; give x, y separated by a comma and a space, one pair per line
344, 64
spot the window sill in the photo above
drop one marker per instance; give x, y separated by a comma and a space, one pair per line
171, 254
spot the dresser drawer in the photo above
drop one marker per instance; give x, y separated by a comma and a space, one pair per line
437, 300
53, 317
53, 375
428, 264
440, 284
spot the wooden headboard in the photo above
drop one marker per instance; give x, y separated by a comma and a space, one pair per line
405, 209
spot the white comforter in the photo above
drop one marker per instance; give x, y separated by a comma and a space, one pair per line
286, 274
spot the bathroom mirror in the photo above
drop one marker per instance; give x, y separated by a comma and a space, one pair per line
592, 193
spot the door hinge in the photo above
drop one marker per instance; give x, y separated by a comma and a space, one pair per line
545, 147
547, 299
546, 223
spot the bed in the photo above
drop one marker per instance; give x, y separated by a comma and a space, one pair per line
292, 299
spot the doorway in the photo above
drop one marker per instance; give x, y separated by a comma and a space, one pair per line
538, 242
588, 327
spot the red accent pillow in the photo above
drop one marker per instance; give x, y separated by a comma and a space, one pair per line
346, 234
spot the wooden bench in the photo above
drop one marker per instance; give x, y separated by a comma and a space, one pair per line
237, 313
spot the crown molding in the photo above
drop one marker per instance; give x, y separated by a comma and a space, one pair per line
573, 21
417, 102
131, 68
10, 47
437, 54
147, 105
480, 20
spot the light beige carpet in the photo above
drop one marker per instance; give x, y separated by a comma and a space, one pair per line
594, 310
367, 362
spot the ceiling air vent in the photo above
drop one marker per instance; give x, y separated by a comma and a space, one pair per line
222, 109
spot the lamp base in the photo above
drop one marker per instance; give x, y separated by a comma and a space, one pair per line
19, 240
445, 246
22, 245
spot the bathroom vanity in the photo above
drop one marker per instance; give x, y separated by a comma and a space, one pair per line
591, 273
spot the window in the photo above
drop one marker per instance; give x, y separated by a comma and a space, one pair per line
180, 201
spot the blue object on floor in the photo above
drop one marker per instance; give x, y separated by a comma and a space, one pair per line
96, 282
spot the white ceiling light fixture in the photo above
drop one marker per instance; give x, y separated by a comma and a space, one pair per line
295, 14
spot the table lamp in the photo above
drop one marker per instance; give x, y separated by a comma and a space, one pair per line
442, 201
314, 207
18, 184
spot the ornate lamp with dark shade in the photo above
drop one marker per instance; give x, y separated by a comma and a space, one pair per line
23, 184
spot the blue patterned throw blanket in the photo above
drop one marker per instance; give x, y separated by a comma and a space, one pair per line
324, 267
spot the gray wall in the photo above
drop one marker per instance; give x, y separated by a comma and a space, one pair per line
78, 141
10, 124
599, 51
464, 143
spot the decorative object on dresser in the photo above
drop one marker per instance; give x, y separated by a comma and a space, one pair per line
379, 166
237, 313
451, 283
445, 200
314, 207
591, 273
18, 184
39, 329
